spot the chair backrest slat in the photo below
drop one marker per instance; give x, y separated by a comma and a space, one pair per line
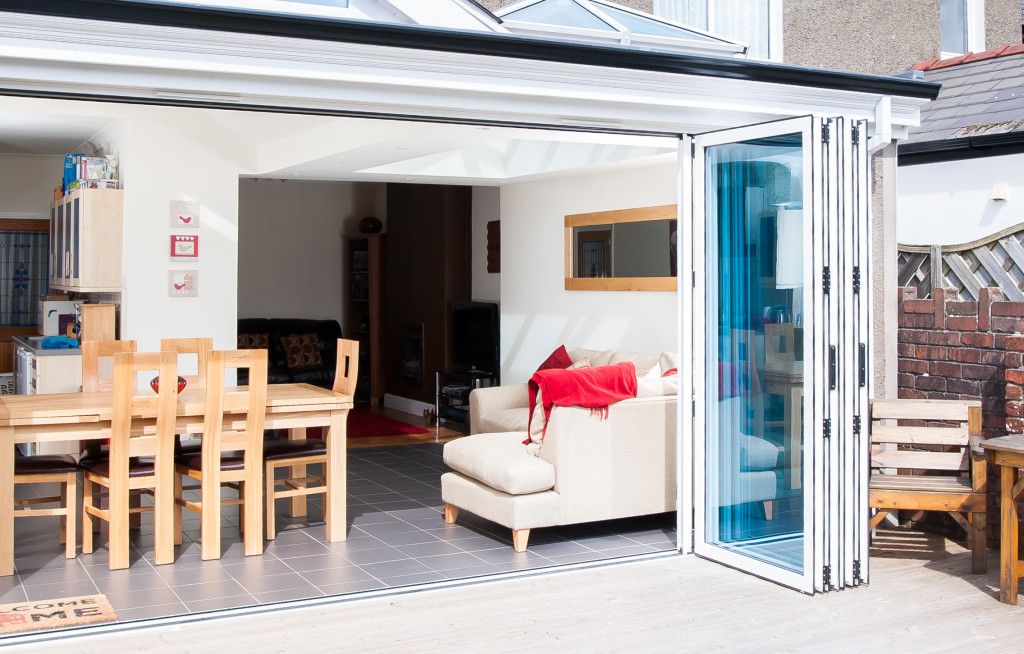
134, 416
216, 434
200, 347
347, 372
95, 355
937, 437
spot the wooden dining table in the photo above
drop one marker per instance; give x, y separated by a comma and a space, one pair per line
84, 416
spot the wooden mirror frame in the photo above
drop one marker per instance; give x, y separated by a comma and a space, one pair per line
640, 214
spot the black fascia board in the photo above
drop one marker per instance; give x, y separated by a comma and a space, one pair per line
475, 43
970, 147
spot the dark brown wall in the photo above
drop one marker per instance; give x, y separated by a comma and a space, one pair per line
428, 266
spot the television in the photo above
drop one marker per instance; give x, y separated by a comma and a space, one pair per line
475, 335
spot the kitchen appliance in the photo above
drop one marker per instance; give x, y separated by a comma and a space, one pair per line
50, 312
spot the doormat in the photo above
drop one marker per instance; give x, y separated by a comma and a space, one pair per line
55, 613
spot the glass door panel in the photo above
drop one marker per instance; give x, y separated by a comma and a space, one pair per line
754, 497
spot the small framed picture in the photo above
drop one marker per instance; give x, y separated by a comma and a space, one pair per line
184, 214
184, 246
182, 283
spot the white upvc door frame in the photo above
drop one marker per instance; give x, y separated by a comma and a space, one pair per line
810, 131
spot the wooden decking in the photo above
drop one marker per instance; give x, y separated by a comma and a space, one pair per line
921, 596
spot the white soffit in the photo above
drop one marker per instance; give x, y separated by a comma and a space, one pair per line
47, 134
46, 54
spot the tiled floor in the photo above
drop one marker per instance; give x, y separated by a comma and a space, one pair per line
397, 537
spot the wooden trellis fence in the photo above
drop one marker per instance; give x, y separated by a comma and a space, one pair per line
996, 260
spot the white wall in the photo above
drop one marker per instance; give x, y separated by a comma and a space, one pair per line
27, 182
949, 203
537, 313
486, 207
290, 248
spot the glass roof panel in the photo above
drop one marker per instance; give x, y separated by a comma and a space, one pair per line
558, 12
641, 25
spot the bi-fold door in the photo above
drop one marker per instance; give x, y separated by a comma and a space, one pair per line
778, 325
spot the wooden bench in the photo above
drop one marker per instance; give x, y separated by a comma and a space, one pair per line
943, 466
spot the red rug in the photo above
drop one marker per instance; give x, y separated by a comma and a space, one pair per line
363, 423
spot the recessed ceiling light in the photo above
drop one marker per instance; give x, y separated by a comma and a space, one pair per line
402, 147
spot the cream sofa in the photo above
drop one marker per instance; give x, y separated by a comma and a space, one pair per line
586, 469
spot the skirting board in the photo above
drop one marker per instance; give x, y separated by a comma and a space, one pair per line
406, 405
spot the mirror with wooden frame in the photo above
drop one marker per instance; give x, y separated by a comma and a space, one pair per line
621, 250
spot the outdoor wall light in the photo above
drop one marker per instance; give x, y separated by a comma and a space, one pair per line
1000, 192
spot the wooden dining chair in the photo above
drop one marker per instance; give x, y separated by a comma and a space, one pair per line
98, 359
141, 457
187, 347
232, 452
298, 454
48, 469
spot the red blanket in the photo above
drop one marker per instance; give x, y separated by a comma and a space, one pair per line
594, 388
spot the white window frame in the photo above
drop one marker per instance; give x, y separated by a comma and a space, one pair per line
974, 14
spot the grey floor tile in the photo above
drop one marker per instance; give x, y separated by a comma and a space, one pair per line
208, 572
13, 594
257, 566
288, 594
339, 575
446, 562
434, 548
54, 575
414, 579
130, 599
480, 570
417, 537
292, 551
149, 612
316, 562
211, 590
272, 583
390, 569
377, 555
65, 589
130, 581
220, 603
359, 586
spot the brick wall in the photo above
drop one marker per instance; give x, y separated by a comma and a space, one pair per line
956, 350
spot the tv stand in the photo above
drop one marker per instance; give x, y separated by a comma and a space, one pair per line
451, 401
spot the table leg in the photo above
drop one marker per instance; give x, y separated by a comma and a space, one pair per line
210, 517
252, 489
335, 500
298, 503
7, 506
1008, 525
163, 504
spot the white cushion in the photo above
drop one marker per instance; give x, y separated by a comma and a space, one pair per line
500, 461
502, 420
757, 453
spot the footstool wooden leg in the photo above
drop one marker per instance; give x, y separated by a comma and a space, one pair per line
519, 539
450, 513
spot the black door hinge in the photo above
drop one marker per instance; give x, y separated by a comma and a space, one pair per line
826, 428
856, 134
862, 364
827, 577
826, 279
693, 279
832, 365
693, 150
694, 409
856, 570
856, 280
856, 425
824, 133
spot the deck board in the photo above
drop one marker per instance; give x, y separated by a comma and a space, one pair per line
664, 605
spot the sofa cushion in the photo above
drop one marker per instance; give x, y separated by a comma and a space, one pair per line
643, 362
500, 461
757, 453
253, 341
558, 359
302, 351
502, 420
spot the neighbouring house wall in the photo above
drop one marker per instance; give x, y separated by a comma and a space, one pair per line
486, 207
1002, 22
290, 248
949, 203
949, 349
869, 36
27, 182
537, 313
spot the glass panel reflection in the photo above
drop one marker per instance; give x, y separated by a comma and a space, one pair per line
645, 248
756, 260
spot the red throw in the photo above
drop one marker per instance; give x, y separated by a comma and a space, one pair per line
595, 388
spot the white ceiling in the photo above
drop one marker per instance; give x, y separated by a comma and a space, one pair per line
291, 146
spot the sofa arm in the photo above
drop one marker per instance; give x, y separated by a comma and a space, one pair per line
617, 466
495, 398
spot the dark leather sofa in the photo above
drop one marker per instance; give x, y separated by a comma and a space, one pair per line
327, 333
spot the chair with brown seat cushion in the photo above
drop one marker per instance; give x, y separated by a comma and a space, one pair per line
297, 453
232, 451
43, 469
140, 457
200, 348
